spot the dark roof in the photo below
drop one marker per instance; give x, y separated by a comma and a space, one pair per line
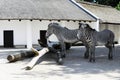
43, 10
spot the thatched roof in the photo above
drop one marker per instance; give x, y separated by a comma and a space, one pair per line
42, 9
107, 14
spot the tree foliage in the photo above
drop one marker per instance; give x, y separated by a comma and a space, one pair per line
112, 3
118, 6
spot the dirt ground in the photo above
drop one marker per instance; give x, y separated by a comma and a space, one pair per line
75, 67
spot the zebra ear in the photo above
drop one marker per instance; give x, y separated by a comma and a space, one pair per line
49, 24
80, 24
87, 25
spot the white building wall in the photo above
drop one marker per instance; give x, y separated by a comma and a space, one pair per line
36, 27
19, 31
113, 27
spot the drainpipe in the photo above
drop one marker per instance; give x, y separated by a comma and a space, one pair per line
88, 12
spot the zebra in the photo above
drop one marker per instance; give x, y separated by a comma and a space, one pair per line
64, 35
93, 38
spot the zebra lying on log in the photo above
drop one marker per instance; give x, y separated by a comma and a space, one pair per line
92, 38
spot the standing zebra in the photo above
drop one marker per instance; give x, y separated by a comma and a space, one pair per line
92, 38
64, 35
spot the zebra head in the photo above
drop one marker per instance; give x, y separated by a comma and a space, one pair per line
83, 25
50, 29
81, 30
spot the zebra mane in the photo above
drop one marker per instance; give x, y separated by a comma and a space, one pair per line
54, 25
65, 28
89, 28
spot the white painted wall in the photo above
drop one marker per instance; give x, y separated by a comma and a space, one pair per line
36, 27
20, 29
114, 28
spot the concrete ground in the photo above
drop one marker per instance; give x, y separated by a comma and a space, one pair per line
75, 67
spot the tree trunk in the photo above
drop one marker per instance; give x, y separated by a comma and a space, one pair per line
20, 56
40, 53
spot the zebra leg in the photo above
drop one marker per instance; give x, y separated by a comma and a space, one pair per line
86, 55
61, 54
110, 54
59, 58
63, 49
92, 53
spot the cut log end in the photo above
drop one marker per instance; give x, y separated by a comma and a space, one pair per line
10, 58
35, 51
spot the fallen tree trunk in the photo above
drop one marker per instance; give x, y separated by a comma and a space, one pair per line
40, 53
36, 54
20, 56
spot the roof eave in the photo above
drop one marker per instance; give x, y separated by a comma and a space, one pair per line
48, 19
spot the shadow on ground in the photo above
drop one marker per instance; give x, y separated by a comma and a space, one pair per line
75, 64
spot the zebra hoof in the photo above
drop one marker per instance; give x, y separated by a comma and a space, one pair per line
86, 55
60, 61
110, 58
92, 60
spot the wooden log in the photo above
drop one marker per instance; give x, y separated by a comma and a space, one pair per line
40, 53
21, 55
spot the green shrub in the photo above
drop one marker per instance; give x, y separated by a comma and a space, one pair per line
118, 6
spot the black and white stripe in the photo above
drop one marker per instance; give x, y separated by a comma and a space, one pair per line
92, 38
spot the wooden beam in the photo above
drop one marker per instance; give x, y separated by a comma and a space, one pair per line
40, 53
